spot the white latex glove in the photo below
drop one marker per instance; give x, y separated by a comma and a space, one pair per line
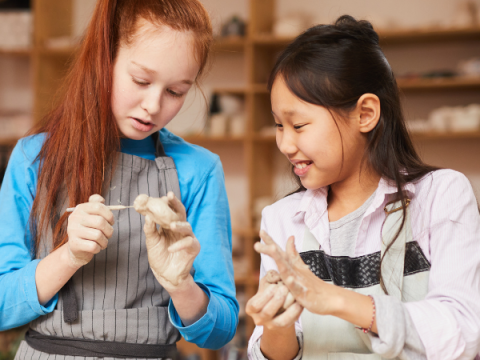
89, 228
171, 252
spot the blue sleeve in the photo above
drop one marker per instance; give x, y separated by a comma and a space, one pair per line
18, 292
209, 215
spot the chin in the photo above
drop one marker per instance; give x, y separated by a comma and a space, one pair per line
137, 135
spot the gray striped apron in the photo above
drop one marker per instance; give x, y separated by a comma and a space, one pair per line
118, 298
404, 269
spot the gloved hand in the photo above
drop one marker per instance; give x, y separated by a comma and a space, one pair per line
173, 247
89, 228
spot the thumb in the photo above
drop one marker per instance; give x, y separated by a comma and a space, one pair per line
151, 234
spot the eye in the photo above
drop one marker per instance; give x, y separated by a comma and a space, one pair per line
277, 125
140, 82
174, 94
296, 127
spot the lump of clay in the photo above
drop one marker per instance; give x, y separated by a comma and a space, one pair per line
273, 278
157, 208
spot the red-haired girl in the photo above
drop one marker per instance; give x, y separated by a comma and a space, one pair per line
380, 251
84, 280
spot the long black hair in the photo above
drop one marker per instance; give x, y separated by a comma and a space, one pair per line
333, 66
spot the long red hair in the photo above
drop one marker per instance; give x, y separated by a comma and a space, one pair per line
82, 137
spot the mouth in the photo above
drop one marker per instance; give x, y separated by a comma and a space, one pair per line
301, 167
142, 125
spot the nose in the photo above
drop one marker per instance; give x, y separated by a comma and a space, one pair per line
286, 143
151, 102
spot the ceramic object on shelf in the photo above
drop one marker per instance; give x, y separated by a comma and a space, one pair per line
230, 104
290, 25
237, 125
218, 125
234, 27
16, 30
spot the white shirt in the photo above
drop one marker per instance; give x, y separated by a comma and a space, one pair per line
446, 224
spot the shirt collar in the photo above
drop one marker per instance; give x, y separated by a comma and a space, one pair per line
314, 202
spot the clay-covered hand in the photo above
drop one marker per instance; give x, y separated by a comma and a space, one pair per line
171, 251
309, 291
89, 227
273, 306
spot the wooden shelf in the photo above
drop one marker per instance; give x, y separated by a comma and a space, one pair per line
230, 90
246, 280
19, 52
229, 44
445, 135
389, 37
271, 40
67, 51
8, 142
418, 84
200, 139
439, 83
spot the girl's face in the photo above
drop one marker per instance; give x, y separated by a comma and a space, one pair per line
151, 78
309, 137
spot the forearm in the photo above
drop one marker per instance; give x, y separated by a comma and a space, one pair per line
354, 308
52, 274
190, 301
279, 344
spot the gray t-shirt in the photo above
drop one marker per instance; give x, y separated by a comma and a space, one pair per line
344, 232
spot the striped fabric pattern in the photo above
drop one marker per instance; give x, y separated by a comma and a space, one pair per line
118, 297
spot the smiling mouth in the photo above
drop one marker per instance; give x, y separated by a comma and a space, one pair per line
302, 165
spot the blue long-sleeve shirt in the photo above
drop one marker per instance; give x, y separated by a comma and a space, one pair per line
202, 188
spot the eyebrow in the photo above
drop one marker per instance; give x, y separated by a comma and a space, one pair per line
153, 72
288, 113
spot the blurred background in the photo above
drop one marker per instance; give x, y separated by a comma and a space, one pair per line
433, 47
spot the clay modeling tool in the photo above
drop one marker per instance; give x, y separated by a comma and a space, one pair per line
111, 207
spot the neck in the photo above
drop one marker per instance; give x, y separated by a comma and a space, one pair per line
350, 193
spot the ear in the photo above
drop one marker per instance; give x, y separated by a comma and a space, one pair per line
367, 112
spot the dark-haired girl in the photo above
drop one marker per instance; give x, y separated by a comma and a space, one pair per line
380, 251
100, 284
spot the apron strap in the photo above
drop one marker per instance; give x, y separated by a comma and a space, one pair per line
393, 260
98, 348
159, 150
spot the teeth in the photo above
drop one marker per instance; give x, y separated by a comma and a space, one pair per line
301, 165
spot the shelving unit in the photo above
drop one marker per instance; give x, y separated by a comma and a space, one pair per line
259, 47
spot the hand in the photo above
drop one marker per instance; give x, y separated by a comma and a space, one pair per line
268, 306
309, 291
171, 252
89, 228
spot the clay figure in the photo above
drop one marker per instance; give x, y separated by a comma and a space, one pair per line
157, 208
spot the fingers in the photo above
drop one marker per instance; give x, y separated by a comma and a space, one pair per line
96, 198
295, 286
182, 228
288, 317
293, 255
97, 222
258, 302
95, 207
184, 244
152, 236
176, 205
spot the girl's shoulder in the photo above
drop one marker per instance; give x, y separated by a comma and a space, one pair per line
442, 180
27, 149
